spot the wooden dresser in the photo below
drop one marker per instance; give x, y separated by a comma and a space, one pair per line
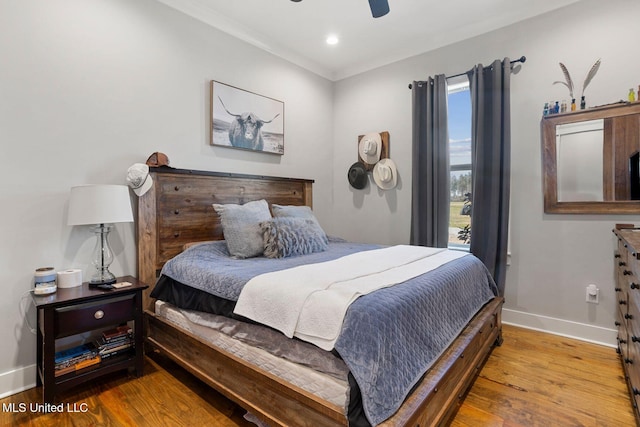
627, 287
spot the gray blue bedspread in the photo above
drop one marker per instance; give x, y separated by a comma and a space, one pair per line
390, 337
210, 268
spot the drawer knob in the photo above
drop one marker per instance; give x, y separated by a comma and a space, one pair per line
635, 339
621, 263
635, 286
623, 302
616, 256
618, 289
617, 323
98, 314
628, 316
636, 391
626, 273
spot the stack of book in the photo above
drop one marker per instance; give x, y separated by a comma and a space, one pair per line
115, 341
75, 358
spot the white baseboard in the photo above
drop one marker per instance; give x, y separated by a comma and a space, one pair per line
565, 328
17, 380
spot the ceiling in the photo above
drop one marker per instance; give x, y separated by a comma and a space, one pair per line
296, 31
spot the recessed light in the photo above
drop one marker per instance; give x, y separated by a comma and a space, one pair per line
332, 39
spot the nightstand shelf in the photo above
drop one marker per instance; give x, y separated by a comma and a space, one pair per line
80, 310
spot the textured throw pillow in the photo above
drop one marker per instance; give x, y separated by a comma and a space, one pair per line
241, 227
284, 237
305, 212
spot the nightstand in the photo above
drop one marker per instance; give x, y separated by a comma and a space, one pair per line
74, 311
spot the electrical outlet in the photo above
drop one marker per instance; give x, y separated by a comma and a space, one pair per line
592, 294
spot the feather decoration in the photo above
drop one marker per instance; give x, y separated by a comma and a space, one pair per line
564, 83
592, 72
568, 83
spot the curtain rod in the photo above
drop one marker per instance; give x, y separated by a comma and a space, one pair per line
521, 59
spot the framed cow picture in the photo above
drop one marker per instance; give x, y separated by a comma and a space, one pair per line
246, 120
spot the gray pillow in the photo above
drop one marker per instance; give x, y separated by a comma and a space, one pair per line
305, 212
241, 227
284, 237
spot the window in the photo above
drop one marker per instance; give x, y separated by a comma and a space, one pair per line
459, 122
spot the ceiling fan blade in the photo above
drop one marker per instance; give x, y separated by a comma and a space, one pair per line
379, 7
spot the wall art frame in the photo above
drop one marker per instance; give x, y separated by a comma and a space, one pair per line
246, 120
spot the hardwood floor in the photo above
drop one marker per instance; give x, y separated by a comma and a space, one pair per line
537, 379
533, 379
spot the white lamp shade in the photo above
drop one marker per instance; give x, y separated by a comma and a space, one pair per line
99, 204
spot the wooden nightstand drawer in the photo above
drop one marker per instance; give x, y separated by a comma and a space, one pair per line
74, 319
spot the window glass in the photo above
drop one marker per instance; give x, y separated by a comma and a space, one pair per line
459, 122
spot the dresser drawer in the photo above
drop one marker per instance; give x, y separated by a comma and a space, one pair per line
78, 318
632, 357
634, 266
622, 251
622, 336
623, 308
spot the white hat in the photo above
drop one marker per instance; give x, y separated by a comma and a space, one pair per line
370, 148
385, 174
139, 179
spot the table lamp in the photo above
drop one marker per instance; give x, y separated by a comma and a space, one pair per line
100, 206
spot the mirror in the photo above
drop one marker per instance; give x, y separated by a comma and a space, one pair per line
579, 158
591, 160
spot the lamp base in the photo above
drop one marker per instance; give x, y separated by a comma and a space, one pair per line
94, 283
102, 258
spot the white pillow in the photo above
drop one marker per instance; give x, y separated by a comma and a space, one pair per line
241, 227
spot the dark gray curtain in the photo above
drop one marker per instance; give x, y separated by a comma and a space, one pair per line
491, 157
430, 174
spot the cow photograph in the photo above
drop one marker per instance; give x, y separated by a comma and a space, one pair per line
245, 120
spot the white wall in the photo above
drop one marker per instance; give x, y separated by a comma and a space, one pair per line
554, 257
88, 88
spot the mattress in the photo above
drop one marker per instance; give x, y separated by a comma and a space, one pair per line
416, 319
215, 330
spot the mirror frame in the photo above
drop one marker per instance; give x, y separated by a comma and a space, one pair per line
549, 164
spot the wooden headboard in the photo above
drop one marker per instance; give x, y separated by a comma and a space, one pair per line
178, 210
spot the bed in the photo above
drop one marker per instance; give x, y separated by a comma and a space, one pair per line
179, 211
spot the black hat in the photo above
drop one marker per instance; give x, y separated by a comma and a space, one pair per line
357, 175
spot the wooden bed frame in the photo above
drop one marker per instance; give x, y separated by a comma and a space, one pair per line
178, 210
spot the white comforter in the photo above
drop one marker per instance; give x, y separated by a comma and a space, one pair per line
310, 301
